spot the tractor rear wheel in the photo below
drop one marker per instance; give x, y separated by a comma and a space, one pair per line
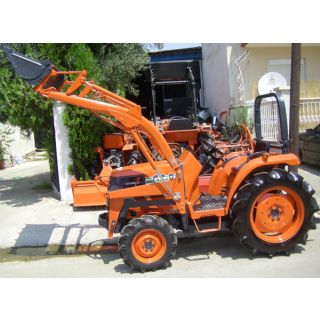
147, 243
273, 212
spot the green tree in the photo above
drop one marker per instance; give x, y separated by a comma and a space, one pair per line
20, 106
113, 66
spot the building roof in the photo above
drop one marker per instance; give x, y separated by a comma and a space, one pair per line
194, 53
275, 45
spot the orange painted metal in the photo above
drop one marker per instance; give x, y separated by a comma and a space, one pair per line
126, 112
89, 193
149, 245
100, 152
184, 187
277, 217
109, 121
209, 229
173, 137
223, 172
204, 183
113, 141
227, 177
191, 173
129, 147
245, 142
189, 136
247, 168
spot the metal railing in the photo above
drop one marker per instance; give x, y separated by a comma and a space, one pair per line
269, 119
309, 116
309, 113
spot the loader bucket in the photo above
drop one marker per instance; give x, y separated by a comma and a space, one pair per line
31, 71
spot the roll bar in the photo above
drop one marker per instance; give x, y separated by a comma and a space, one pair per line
282, 118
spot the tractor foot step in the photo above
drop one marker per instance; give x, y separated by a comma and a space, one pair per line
208, 202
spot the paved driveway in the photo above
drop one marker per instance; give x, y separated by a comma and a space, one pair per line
31, 215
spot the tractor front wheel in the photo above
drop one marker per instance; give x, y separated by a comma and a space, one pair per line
147, 243
273, 212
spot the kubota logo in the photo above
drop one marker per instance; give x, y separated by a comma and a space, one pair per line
158, 179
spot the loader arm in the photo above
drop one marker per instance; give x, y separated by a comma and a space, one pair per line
48, 82
101, 101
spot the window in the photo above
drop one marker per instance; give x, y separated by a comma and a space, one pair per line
283, 66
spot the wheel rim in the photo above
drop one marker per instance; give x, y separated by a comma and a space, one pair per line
149, 245
277, 214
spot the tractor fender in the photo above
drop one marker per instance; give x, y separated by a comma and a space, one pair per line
245, 169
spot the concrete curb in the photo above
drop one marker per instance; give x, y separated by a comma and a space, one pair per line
60, 250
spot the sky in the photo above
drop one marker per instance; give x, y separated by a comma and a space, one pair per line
172, 46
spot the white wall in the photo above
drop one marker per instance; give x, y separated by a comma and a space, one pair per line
221, 78
261, 56
21, 144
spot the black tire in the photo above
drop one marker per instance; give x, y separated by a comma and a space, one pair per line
135, 227
246, 198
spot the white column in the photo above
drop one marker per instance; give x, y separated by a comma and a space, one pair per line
221, 89
63, 152
216, 82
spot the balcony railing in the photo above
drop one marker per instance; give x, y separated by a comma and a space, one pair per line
309, 113
309, 116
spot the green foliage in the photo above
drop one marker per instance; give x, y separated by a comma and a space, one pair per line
238, 116
5, 141
120, 64
85, 132
20, 105
113, 66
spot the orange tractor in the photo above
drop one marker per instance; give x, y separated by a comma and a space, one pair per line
120, 150
269, 208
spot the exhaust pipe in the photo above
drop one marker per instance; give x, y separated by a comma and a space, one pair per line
30, 70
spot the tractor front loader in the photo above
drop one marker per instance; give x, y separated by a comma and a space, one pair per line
269, 208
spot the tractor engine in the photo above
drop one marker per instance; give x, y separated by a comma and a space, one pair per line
113, 158
118, 151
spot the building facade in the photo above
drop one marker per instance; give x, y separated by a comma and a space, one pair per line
231, 72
